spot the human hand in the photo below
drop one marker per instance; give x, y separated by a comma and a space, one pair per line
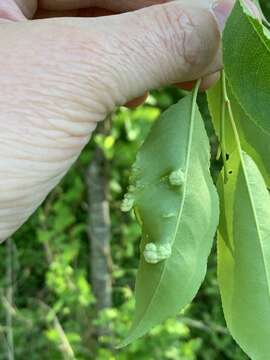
60, 76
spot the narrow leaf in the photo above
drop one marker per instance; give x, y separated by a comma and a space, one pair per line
177, 205
244, 256
243, 242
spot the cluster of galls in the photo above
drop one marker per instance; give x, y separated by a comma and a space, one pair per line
154, 253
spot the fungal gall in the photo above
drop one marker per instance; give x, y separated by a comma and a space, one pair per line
154, 253
177, 178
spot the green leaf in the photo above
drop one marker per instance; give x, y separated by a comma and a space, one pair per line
177, 204
215, 97
246, 52
244, 256
254, 141
243, 243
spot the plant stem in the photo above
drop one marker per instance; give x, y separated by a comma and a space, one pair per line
231, 117
192, 114
224, 100
194, 97
192, 119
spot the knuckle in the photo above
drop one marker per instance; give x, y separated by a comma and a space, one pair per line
178, 32
201, 38
168, 28
174, 33
193, 44
188, 36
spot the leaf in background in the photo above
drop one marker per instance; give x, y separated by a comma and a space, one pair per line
214, 98
243, 242
244, 256
254, 141
177, 204
246, 52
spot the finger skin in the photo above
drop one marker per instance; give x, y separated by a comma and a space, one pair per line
28, 7
10, 11
207, 82
59, 77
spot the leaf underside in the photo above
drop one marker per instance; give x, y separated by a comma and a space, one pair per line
185, 216
244, 256
244, 229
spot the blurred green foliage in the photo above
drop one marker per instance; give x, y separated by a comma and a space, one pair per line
53, 314
51, 269
265, 4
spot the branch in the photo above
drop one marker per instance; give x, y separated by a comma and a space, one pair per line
196, 324
65, 346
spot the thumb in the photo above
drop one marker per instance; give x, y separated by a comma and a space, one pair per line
60, 76
175, 42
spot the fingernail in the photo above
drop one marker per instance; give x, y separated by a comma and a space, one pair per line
222, 9
252, 8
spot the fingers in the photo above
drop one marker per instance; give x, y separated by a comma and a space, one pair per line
221, 9
59, 77
187, 71
209, 81
28, 7
137, 101
10, 11
206, 83
114, 5
165, 44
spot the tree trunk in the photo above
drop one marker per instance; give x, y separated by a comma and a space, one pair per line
99, 230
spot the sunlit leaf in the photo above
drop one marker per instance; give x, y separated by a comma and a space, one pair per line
176, 202
244, 256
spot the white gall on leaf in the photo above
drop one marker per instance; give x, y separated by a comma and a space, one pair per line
177, 178
153, 253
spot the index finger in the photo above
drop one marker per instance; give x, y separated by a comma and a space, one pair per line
28, 7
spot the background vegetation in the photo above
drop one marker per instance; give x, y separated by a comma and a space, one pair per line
67, 277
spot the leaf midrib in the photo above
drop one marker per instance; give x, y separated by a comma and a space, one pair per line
267, 49
192, 118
